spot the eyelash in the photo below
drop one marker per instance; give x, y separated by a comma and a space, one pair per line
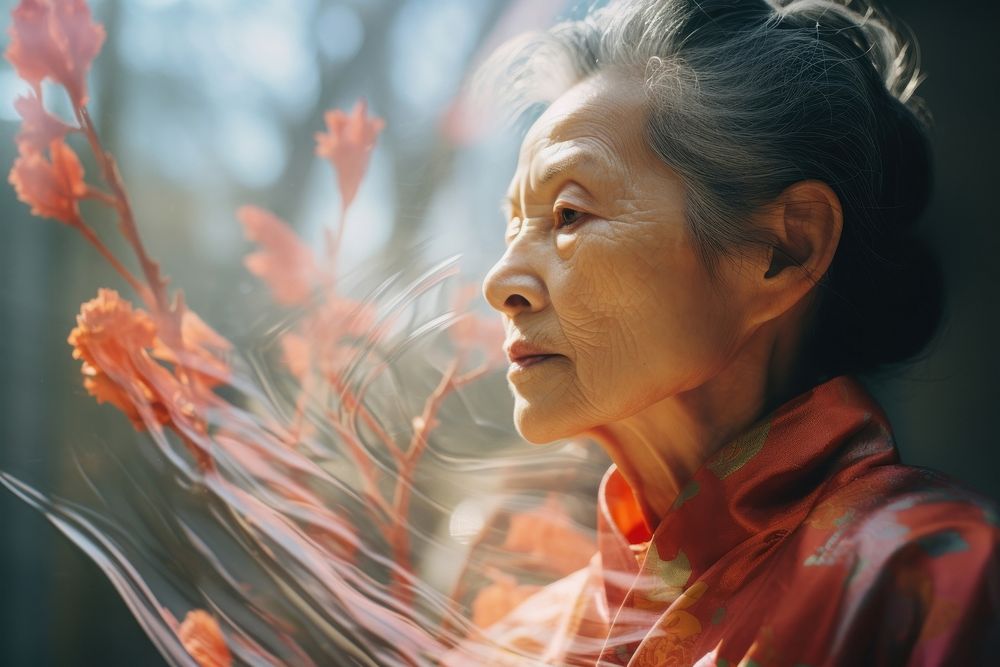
561, 223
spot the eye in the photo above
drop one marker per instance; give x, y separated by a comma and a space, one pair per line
567, 216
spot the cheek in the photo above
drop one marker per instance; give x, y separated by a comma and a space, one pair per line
601, 297
690, 328
688, 336
648, 325
590, 299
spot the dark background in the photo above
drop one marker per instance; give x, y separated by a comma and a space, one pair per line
55, 605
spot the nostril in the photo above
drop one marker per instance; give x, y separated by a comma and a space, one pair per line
516, 301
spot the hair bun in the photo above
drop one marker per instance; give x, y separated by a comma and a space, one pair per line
907, 309
865, 329
907, 176
885, 290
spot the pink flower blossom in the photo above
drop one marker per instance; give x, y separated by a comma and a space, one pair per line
347, 144
284, 262
54, 40
51, 187
39, 128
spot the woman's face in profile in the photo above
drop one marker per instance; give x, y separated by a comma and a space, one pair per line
602, 273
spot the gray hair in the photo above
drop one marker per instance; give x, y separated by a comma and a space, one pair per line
747, 97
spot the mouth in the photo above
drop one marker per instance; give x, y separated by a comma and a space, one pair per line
529, 361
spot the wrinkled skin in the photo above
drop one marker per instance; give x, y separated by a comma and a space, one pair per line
658, 360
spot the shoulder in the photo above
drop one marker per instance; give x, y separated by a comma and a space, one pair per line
895, 515
897, 507
924, 565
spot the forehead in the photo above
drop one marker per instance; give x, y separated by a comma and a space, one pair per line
608, 101
601, 120
603, 116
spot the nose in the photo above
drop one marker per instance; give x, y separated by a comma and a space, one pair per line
513, 287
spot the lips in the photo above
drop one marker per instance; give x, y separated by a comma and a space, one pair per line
522, 353
531, 360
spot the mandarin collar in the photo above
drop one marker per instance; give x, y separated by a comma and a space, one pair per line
763, 481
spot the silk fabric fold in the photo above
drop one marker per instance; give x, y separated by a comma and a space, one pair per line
802, 542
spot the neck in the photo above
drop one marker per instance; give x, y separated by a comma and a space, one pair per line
658, 449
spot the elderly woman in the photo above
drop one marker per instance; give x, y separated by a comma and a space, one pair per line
710, 235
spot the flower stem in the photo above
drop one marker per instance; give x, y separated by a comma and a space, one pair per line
333, 242
101, 196
354, 406
357, 451
126, 220
400, 541
95, 241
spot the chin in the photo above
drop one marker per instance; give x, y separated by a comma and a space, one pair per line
533, 436
537, 428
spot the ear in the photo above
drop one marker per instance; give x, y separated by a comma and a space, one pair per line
805, 223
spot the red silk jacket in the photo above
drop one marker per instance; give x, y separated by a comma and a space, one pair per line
803, 542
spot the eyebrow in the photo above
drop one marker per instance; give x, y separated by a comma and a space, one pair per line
575, 158
553, 169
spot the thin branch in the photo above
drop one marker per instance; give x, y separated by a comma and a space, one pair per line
95, 241
401, 500
105, 198
126, 220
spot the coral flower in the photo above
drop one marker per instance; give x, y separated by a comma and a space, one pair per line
296, 355
497, 600
112, 339
55, 40
109, 324
347, 144
39, 128
202, 638
204, 351
548, 534
284, 262
52, 188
